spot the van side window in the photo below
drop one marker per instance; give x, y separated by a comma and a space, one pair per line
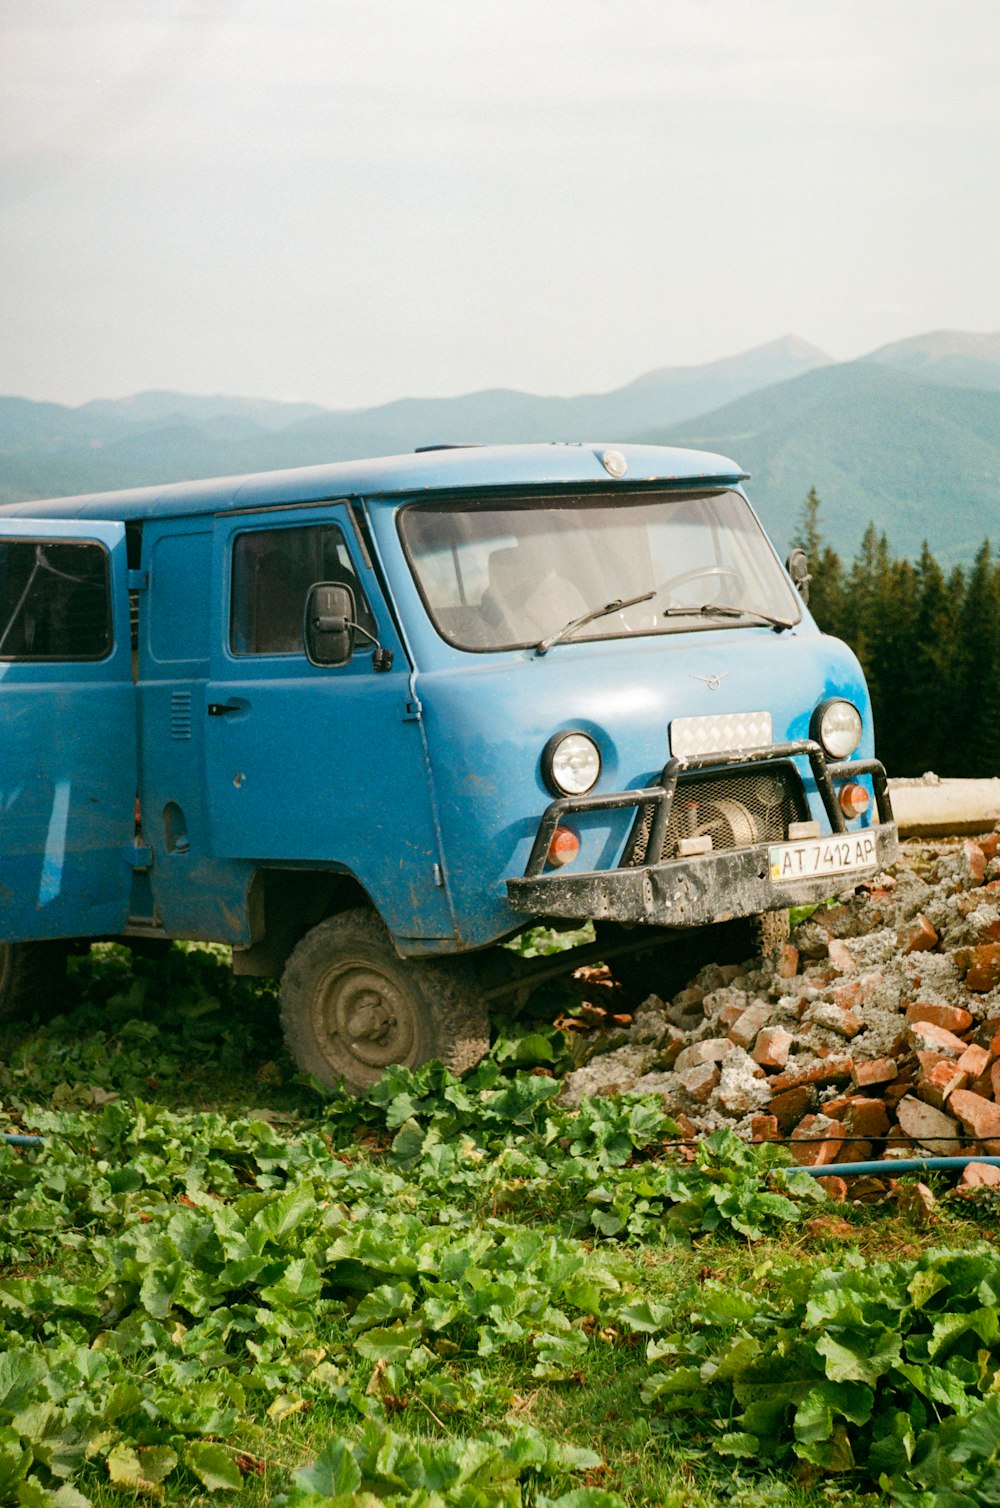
55, 600
273, 570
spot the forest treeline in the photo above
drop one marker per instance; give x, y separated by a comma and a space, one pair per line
929, 644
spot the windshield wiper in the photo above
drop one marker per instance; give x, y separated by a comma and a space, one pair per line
619, 604
718, 610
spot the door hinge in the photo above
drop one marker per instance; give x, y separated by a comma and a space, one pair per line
138, 857
138, 581
412, 710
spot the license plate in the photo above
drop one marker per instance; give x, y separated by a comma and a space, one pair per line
817, 856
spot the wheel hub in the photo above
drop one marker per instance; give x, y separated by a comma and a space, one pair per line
365, 1021
371, 1022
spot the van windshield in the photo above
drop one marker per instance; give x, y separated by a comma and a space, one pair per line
513, 574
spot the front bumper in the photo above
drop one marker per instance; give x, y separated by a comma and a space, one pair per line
711, 888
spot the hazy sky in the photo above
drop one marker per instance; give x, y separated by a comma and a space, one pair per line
352, 200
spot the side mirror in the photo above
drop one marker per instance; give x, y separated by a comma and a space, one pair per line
797, 566
328, 631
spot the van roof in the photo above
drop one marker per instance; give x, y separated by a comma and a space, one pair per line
440, 471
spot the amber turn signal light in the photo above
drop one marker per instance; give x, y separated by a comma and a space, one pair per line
564, 847
854, 799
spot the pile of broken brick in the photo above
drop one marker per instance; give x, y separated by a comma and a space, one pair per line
873, 1033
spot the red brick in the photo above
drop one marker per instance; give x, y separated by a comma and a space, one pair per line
974, 1061
921, 936
836, 1109
995, 1082
938, 1082
764, 1128
700, 1080
728, 971
730, 1013
931, 1128
916, 1201
973, 863
875, 1071
836, 1188
670, 1049
789, 1107
929, 1060
846, 995
832, 1071
983, 1085
772, 1047
979, 1175
816, 1140
895, 1092
930, 1038
745, 1028
711, 1050
841, 956
980, 1117
857, 1151
984, 970
788, 961
952, 1017
869, 1190
866, 1117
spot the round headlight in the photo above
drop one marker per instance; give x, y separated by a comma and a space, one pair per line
838, 727
571, 764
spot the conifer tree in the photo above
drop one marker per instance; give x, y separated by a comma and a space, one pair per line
929, 645
826, 589
930, 692
976, 719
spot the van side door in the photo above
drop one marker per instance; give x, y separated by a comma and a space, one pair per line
67, 730
312, 766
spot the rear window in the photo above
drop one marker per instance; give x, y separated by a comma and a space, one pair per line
55, 600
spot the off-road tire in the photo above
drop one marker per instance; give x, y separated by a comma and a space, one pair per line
32, 979
346, 972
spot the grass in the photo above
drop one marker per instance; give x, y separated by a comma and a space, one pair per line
183, 1037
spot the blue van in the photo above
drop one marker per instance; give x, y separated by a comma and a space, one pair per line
365, 721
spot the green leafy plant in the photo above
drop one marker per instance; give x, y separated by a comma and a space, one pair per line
489, 1472
889, 1372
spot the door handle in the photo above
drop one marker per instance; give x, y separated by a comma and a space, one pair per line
220, 709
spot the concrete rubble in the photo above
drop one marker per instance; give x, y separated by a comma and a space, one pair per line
873, 1032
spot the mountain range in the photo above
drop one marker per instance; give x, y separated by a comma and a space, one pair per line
908, 436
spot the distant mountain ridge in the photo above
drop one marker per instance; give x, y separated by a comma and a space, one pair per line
920, 459
908, 435
954, 357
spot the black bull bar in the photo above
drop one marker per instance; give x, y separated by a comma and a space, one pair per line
712, 887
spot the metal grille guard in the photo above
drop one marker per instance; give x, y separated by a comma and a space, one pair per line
662, 794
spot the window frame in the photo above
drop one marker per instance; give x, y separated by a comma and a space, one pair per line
73, 543
363, 606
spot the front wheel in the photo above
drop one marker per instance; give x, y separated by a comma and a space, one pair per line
350, 1005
